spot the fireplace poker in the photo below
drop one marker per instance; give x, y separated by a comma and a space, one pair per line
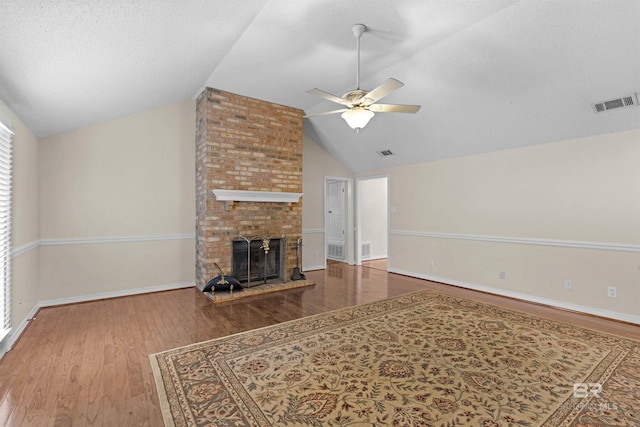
296, 274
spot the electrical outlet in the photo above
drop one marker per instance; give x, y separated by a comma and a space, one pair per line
430, 263
502, 275
612, 292
568, 285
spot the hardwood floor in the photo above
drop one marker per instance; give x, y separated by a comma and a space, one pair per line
87, 364
378, 264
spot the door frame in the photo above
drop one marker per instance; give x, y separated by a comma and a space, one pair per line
348, 216
358, 225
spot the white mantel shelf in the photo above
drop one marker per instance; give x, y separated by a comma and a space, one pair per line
256, 196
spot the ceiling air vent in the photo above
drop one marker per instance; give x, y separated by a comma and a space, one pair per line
385, 153
625, 101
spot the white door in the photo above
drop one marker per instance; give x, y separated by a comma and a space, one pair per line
335, 220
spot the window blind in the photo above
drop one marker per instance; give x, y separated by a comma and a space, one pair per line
6, 158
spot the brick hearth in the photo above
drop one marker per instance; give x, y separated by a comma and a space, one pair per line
245, 144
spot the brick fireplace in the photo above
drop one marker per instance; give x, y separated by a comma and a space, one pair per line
248, 153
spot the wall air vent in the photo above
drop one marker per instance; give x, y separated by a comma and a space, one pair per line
366, 250
625, 101
385, 153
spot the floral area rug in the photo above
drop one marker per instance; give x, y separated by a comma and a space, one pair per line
423, 359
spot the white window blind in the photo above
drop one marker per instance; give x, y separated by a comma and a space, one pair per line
6, 157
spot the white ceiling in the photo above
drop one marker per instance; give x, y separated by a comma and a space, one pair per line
489, 74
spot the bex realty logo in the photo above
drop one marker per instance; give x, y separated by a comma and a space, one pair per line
582, 390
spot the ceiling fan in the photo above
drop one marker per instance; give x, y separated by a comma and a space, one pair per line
360, 104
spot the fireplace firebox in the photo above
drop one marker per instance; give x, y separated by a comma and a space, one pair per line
257, 260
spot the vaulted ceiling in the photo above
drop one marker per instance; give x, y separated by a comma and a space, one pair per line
489, 74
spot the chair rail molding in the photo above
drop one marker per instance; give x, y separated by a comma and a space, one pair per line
17, 251
313, 231
603, 246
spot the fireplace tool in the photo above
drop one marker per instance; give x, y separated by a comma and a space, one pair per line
265, 248
296, 274
222, 282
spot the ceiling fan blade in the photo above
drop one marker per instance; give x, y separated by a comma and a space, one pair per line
326, 113
381, 91
328, 96
391, 108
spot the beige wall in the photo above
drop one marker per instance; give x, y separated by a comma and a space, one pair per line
86, 271
542, 214
317, 163
126, 189
127, 177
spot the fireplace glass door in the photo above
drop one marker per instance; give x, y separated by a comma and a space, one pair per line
250, 261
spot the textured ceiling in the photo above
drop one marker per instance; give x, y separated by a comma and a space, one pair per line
489, 74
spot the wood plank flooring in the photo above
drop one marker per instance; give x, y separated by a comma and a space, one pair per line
87, 364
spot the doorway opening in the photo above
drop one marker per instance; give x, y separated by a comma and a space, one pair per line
372, 222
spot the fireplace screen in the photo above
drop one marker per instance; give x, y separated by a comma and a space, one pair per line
250, 260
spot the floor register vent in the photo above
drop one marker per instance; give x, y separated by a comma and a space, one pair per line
625, 101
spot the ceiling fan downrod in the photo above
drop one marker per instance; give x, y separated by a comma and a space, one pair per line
358, 30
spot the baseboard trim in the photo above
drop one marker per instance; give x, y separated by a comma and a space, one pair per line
374, 258
115, 294
313, 267
624, 317
576, 244
15, 334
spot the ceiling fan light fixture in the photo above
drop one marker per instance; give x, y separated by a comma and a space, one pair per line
357, 117
361, 104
